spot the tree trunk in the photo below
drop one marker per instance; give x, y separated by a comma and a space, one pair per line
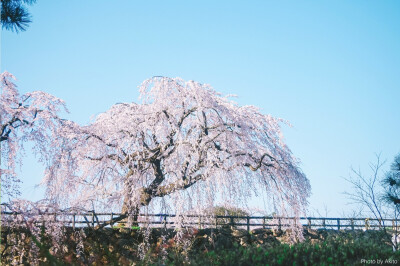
132, 212
132, 209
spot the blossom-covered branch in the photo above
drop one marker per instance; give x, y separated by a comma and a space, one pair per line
29, 117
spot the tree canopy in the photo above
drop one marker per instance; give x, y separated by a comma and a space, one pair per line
184, 146
29, 117
391, 183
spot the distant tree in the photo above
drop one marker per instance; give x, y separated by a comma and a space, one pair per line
29, 117
14, 15
184, 144
228, 211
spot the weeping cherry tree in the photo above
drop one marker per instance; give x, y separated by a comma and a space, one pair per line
182, 148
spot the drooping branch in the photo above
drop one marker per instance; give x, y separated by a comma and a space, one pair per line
6, 128
91, 135
260, 162
30, 117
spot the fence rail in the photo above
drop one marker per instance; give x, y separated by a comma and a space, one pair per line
91, 219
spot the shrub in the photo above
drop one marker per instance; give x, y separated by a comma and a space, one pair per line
335, 250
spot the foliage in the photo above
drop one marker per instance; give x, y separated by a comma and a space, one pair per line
335, 250
32, 117
124, 247
184, 144
14, 15
391, 183
32, 238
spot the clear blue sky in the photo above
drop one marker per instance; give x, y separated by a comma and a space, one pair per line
332, 68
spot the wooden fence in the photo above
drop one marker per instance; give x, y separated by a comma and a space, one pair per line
92, 219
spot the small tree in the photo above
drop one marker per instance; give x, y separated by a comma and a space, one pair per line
378, 193
367, 190
29, 117
184, 144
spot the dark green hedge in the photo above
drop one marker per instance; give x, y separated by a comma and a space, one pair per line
339, 250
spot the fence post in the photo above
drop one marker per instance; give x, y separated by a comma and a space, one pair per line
279, 223
248, 224
323, 223
366, 223
264, 223
199, 221
338, 224
93, 218
352, 224
232, 222
309, 222
73, 223
165, 221
111, 222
